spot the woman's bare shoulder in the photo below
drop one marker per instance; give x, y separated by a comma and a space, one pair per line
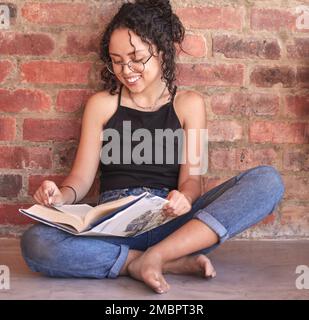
188, 103
185, 97
101, 106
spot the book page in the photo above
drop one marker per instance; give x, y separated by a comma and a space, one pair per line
61, 226
142, 216
79, 210
105, 208
54, 216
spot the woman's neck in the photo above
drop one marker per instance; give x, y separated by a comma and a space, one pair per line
150, 97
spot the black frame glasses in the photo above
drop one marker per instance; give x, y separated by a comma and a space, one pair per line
130, 65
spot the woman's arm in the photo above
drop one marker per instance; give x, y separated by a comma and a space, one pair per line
193, 112
87, 158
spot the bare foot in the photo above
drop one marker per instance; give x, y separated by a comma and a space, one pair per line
148, 268
198, 264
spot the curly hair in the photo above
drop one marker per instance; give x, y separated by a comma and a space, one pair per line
155, 23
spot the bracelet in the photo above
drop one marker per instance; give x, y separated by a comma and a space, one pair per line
75, 195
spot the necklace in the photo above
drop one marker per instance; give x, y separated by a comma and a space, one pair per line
147, 108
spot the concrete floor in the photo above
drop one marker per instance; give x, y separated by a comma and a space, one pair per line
245, 270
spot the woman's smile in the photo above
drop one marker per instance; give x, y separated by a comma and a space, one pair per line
132, 80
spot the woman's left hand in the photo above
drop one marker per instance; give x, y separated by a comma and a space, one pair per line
178, 205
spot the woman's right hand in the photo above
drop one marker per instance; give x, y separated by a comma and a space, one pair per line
48, 194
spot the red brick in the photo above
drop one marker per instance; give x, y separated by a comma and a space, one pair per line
64, 155
297, 106
243, 48
279, 132
296, 158
57, 13
56, 130
211, 75
6, 67
35, 181
245, 104
263, 76
10, 185
105, 12
249, 158
25, 44
9, 214
72, 100
303, 77
7, 129
78, 44
224, 130
296, 187
22, 157
241, 158
220, 158
272, 19
225, 18
55, 72
299, 50
295, 218
24, 100
194, 45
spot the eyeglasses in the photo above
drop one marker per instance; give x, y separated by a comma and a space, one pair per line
134, 65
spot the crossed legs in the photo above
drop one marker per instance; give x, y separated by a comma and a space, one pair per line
171, 255
228, 209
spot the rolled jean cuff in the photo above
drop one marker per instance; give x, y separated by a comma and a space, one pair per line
115, 270
213, 224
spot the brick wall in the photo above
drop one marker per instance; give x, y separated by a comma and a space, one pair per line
250, 59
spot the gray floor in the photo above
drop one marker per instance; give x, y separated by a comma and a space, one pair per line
245, 270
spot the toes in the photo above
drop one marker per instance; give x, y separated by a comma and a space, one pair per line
164, 285
209, 269
157, 283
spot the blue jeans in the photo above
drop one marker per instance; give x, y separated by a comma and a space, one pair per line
227, 209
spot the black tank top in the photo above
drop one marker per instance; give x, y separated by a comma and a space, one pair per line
148, 173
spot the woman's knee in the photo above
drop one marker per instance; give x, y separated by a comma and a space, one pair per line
36, 244
268, 178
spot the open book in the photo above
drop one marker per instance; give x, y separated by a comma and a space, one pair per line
125, 217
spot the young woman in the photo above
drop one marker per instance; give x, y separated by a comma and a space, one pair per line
138, 49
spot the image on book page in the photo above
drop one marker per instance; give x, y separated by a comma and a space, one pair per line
143, 216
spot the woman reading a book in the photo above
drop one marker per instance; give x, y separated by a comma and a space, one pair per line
138, 49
